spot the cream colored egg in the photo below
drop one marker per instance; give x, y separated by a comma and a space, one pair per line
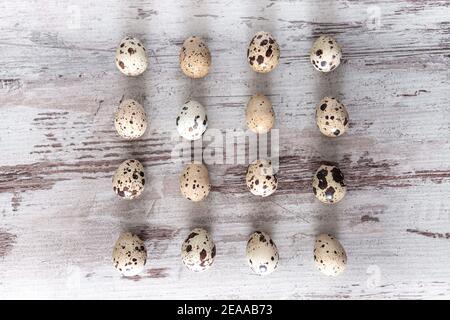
195, 58
130, 119
261, 179
331, 117
259, 114
328, 184
198, 250
131, 58
262, 253
129, 254
263, 53
192, 120
329, 255
129, 179
325, 54
194, 182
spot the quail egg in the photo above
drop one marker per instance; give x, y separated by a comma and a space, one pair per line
131, 58
263, 52
129, 254
331, 117
329, 255
328, 184
130, 119
195, 58
192, 120
325, 54
198, 250
194, 182
259, 114
261, 179
262, 253
129, 179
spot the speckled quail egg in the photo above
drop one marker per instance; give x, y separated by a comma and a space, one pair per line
130, 119
195, 58
129, 179
192, 120
129, 254
194, 182
328, 184
261, 179
325, 54
329, 255
131, 58
198, 250
262, 253
263, 52
331, 117
259, 114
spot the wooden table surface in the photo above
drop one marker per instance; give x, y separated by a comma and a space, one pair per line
59, 88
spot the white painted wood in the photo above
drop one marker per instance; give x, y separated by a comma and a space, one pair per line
59, 88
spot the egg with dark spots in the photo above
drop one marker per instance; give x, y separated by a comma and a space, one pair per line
192, 120
262, 253
332, 117
259, 114
129, 179
131, 57
325, 54
261, 178
195, 58
194, 182
130, 119
329, 255
129, 255
263, 53
198, 250
328, 184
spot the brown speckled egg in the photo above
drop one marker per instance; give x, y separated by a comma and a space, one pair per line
194, 182
129, 254
329, 255
331, 117
195, 58
129, 179
328, 184
262, 253
130, 119
261, 179
198, 250
325, 54
259, 114
263, 52
192, 120
131, 58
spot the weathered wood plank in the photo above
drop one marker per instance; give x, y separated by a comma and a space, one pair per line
58, 91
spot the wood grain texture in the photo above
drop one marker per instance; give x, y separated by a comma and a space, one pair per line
59, 88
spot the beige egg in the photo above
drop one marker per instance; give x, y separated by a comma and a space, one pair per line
194, 182
195, 58
325, 54
261, 179
130, 119
259, 114
131, 58
198, 250
331, 117
129, 254
129, 179
328, 184
329, 255
262, 253
263, 53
